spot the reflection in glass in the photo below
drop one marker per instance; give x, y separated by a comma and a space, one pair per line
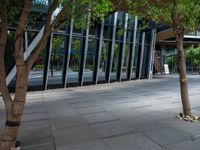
74, 63
35, 77
107, 32
103, 61
135, 61
90, 60
9, 55
126, 61
115, 62
56, 60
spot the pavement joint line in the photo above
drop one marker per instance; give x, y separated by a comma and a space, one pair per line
145, 106
101, 122
164, 97
114, 98
80, 102
84, 106
176, 102
128, 102
90, 113
35, 120
153, 140
193, 138
119, 135
196, 107
38, 145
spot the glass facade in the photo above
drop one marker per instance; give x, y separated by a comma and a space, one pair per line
105, 52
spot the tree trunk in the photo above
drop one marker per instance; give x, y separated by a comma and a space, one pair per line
179, 33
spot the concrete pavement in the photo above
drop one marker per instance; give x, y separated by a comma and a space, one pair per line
135, 115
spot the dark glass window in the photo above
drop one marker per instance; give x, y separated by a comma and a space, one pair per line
35, 77
57, 60
74, 63
126, 61
107, 32
115, 62
90, 60
103, 60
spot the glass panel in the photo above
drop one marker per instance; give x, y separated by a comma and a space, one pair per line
9, 54
109, 20
90, 60
35, 77
31, 36
119, 34
57, 60
135, 61
145, 62
93, 32
131, 22
126, 61
74, 64
120, 19
103, 61
129, 36
114, 68
107, 32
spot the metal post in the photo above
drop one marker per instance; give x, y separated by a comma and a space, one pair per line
47, 62
98, 55
84, 55
142, 55
68, 53
151, 54
122, 52
132, 54
110, 59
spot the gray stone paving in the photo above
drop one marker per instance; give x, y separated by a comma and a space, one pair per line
135, 115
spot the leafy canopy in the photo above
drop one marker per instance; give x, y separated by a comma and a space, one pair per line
161, 11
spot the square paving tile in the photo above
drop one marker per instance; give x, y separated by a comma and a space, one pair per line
185, 145
88, 110
66, 122
34, 116
135, 141
36, 137
112, 128
93, 145
31, 125
73, 136
98, 117
165, 135
47, 146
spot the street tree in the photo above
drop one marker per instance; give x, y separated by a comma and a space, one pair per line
182, 16
17, 14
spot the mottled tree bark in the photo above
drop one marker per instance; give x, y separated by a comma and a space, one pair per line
179, 34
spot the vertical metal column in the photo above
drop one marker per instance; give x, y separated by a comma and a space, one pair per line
151, 54
84, 54
110, 59
47, 61
98, 55
162, 60
142, 55
67, 57
132, 54
122, 53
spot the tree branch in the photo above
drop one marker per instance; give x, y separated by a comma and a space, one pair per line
21, 73
3, 39
47, 31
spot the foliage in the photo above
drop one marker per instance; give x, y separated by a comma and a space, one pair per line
161, 11
194, 55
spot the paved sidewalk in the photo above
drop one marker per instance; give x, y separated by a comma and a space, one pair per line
135, 115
